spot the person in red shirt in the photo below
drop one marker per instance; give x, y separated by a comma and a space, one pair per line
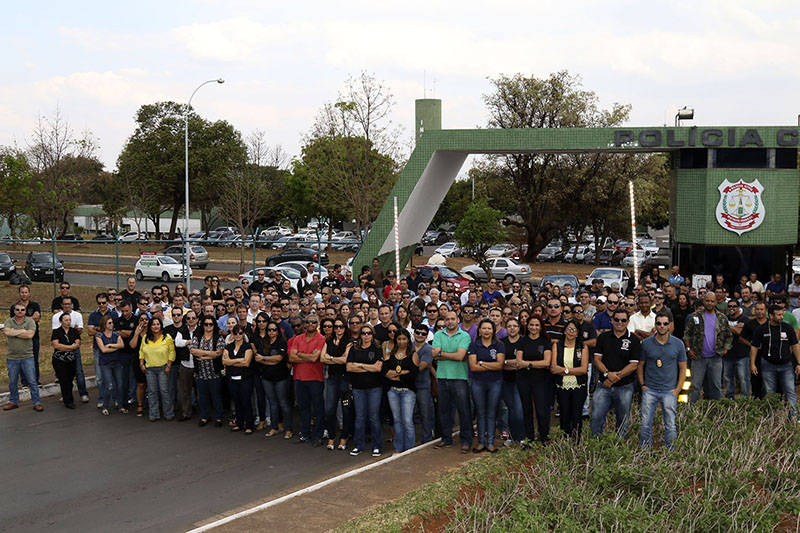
308, 380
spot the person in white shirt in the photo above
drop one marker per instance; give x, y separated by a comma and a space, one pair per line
754, 284
643, 322
255, 307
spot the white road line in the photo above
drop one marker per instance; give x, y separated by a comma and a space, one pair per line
312, 488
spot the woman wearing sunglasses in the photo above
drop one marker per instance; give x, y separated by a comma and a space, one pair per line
337, 385
364, 365
272, 358
207, 351
237, 358
401, 366
570, 367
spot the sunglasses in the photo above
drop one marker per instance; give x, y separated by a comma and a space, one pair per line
620, 320
366, 332
553, 306
662, 323
272, 329
338, 326
208, 324
355, 322
262, 321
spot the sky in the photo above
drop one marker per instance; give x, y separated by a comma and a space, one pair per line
734, 62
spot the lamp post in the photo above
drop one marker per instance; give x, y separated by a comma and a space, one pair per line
683, 114
186, 207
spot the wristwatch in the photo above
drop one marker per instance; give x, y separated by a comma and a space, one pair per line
605, 375
566, 371
480, 363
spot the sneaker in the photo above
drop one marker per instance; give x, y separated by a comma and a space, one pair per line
99, 404
376, 452
508, 442
85, 398
355, 451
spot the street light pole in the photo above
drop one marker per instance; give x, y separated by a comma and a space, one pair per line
186, 207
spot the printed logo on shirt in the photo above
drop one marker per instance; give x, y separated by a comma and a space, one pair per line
493, 354
696, 320
626, 344
783, 336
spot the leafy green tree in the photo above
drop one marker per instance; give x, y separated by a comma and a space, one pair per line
480, 228
15, 187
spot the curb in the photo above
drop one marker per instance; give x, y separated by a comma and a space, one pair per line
45, 391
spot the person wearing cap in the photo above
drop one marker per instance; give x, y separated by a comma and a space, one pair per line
602, 316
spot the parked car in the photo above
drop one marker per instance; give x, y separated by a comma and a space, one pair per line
41, 265
297, 265
609, 276
274, 232
160, 267
608, 256
198, 255
197, 236
133, 236
70, 237
297, 254
517, 254
551, 254
560, 280
449, 249
649, 245
796, 265
500, 250
102, 237
576, 253
641, 257
435, 237
287, 272
459, 282
500, 268
7, 266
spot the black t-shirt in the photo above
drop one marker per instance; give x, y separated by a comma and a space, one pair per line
774, 342
57, 305
336, 350
511, 353
233, 371
381, 333
555, 331
366, 356
738, 350
588, 331
123, 324
133, 297
679, 319
277, 372
618, 352
749, 328
66, 338
533, 350
330, 283
407, 381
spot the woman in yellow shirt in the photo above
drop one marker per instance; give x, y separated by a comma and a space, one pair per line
156, 355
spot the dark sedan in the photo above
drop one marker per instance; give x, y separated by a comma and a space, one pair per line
551, 254
298, 254
608, 256
40, 265
6, 266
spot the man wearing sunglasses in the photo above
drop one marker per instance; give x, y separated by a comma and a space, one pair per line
555, 323
661, 372
468, 320
616, 357
425, 379
19, 330
707, 337
308, 380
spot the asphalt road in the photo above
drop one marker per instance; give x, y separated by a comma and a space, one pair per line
76, 470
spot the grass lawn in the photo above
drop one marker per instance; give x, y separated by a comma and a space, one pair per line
736, 467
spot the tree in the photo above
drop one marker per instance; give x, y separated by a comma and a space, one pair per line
543, 187
59, 163
245, 199
347, 177
15, 187
154, 160
479, 229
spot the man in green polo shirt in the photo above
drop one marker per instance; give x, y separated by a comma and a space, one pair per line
20, 329
450, 347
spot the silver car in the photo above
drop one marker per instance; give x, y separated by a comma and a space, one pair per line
198, 255
499, 268
610, 275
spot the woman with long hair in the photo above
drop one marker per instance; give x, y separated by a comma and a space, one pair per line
534, 353
180, 290
272, 358
364, 365
485, 357
400, 367
109, 343
156, 355
337, 386
523, 318
570, 367
237, 358
510, 395
402, 317
391, 331
66, 341
207, 351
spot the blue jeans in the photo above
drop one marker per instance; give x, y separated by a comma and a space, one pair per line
158, 386
262, 409
367, 405
336, 387
669, 405
80, 378
486, 395
112, 381
604, 398
98, 373
514, 405
736, 370
455, 393
209, 391
280, 410
784, 373
24, 367
308, 395
426, 413
708, 370
242, 392
402, 401
36, 342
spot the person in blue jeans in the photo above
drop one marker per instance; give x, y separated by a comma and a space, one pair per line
364, 366
425, 379
207, 349
485, 357
616, 357
736, 362
450, 347
19, 330
109, 343
776, 342
661, 372
337, 387
707, 337
400, 367
510, 395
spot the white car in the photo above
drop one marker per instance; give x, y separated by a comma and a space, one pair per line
287, 272
273, 233
160, 267
642, 256
449, 249
576, 253
610, 275
132, 236
499, 268
500, 250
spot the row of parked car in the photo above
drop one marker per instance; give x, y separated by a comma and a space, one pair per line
617, 253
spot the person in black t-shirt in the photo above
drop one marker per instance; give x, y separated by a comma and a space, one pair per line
364, 365
130, 294
64, 293
66, 341
533, 378
759, 318
33, 310
125, 324
616, 357
736, 361
777, 344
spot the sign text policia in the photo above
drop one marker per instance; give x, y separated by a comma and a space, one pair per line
706, 137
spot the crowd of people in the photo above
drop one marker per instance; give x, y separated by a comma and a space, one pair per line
354, 353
